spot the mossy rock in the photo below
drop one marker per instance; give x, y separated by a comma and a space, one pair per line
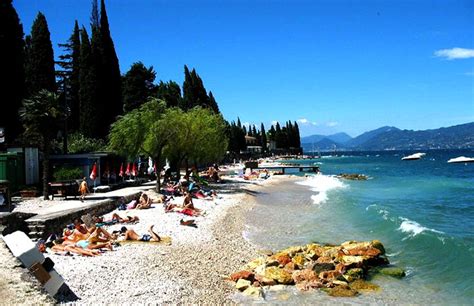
298, 260
279, 275
393, 271
342, 291
362, 285
378, 245
354, 274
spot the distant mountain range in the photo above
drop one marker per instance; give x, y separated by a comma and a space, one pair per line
391, 138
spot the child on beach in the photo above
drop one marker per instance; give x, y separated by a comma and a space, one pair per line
83, 189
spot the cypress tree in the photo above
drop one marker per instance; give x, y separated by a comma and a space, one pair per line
88, 115
278, 136
213, 103
40, 61
110, 94
272, 133
170, 92
12, 76
297, 135
263, 138
254, 131
137, 86
188, 93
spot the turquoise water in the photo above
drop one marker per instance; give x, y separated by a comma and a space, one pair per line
423, 212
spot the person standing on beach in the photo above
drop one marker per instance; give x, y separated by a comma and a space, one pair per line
83, 189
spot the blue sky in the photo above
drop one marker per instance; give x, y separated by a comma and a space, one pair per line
335, 66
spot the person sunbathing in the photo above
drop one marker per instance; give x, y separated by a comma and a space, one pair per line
144, 202
130, 234
115, 219
58, 246
187, 208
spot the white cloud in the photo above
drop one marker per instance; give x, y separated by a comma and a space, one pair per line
332, 123
455, 53
304, 121
274, 122
247, 124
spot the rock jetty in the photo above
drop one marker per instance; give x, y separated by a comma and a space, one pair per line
339, 270
353, 176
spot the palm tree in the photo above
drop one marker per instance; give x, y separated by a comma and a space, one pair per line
41, 115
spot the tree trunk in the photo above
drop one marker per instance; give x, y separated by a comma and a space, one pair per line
45, 170
186, 165
158, 174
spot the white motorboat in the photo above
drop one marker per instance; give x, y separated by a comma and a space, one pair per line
414, 156
461, 159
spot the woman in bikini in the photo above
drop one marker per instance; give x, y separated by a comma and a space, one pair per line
130, 234
144, 202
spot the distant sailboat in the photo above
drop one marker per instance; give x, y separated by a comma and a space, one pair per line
414, 156
461, 159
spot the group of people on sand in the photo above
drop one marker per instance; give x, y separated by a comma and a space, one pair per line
78, 238
90, 238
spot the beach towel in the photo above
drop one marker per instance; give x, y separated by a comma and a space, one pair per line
165, 240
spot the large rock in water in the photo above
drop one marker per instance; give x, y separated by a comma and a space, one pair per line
320, 267
362, 285
242, 284
354, 274
279, 275
342, 291
254, 292
393, 271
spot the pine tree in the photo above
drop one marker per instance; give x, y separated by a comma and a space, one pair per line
40, 61
110, 94
68, 77
137, 86
12, 76
88, 115
170, 92
263, 138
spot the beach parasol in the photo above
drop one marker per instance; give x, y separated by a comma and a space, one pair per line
127, 171
93, 172
134, 170
121, 170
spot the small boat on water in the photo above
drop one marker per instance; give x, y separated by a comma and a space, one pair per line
461, 159
414, 156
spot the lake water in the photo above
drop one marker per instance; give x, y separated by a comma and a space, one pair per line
423, 212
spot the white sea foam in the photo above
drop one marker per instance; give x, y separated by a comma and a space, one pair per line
322, 184
414, 228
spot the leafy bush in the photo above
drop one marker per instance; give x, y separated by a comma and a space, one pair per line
78, 143
66, 174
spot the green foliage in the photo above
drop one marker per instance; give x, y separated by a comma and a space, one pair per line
137, 86
68, 76
200, 135
110, 83
79, 143
41, 115
66, 174
40, 63
195, 94
12, 77
170, 92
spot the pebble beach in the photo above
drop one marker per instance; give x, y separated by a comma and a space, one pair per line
193, 269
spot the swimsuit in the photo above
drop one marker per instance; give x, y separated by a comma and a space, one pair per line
83, 244
145, 237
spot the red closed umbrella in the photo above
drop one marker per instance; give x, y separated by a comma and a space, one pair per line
134, 170
127, 172
93, 172
121, 170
